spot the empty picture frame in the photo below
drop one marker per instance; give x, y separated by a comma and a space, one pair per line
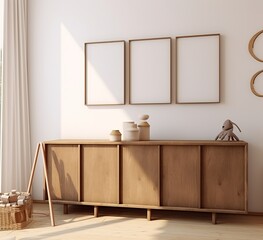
198, 69
105, 73
150, 71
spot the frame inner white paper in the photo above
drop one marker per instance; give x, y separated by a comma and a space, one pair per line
105, 73
198, 69
150, 71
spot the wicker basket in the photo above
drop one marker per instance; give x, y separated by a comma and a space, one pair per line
16, 217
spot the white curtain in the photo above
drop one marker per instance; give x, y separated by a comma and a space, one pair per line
16, 152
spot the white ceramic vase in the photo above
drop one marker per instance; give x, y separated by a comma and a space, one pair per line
115, 136
130, 131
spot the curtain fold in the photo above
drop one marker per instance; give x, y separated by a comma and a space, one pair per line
16, 152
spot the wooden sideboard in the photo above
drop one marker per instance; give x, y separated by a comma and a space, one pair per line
204, 176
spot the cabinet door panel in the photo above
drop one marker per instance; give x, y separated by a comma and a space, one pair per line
63, 171
140, 175
180, 168
223, 177
100, 169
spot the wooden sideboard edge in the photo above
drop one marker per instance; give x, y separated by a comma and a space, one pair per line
150, 142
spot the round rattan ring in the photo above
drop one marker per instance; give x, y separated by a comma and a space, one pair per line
251, 46
253, 79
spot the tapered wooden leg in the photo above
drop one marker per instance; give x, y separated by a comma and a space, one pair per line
46, 179
214, 218
48, 189
96, 211
149, 214
33, 169
65, 208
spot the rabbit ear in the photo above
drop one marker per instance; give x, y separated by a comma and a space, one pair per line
236, 126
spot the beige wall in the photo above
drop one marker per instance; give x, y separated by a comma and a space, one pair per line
58, 30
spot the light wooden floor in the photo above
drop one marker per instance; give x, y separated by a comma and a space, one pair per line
126, 224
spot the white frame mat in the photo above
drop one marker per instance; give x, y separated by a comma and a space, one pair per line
150, 71
198, 69
105, 73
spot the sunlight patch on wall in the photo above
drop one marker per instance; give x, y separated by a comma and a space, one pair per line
72, 69
104, 73
77, 119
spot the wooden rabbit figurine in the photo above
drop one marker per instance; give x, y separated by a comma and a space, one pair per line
227, 132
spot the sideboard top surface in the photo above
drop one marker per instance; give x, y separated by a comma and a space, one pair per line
151, 142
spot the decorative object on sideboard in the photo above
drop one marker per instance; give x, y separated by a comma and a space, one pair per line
131, 132
125, 126
115, 136
144, 128
227, 132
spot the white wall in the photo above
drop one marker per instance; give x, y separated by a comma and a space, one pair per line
58, 30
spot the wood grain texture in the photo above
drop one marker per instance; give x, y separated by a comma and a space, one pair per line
205, 176
63, 171
99, 174
180, 176
140, 175
223, 177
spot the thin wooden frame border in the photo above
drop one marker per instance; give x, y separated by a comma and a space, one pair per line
86, 72
130, 74
219, 77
